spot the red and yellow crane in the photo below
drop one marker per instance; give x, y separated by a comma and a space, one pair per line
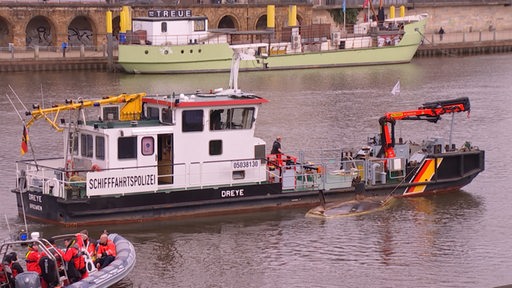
430, 111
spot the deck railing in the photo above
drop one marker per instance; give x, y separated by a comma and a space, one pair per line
323, 169
12, 52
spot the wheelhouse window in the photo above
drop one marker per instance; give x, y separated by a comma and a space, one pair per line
86, 145
234, 118
153, 113
127, 148
167, 115
192, 120
215, 147
199, 25
100, 147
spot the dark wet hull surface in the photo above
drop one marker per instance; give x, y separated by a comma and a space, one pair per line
352, 207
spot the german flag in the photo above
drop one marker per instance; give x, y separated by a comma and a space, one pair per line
24, 141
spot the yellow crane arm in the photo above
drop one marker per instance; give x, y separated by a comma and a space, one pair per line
131, 110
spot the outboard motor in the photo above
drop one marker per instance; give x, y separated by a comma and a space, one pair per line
29, 279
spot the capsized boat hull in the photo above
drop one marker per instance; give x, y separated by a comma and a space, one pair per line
352, 207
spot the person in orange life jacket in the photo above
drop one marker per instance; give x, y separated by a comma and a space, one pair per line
76, 263
32, 258
50, 269
12, 267
105, 251
89, 244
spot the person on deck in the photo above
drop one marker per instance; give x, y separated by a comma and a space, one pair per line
105, 252
276, 147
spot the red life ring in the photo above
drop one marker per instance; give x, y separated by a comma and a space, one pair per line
70, 169
95, 168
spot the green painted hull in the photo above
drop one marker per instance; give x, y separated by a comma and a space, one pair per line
218, 57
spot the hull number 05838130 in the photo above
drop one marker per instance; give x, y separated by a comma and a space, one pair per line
245, 164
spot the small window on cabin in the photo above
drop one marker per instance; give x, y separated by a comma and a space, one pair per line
199, 25
100, 147
110, 113
238, 175
127, 148
73, 143
153, 113
86, 145
192, 120
215, 147
163, 27
148, 146
167, 115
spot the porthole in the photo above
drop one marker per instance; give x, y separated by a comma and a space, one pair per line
182, 51
191, 51
146, 52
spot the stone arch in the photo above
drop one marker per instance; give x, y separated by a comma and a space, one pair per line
228, 21
81, 31
40, 31
261, 23
6, 35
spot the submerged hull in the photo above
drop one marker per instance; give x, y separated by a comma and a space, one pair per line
218, 57
453, 171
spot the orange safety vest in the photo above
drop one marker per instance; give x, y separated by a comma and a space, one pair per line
32, 259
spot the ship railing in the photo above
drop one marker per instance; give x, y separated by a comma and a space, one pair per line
468, 36
42, 176
326, 175
166, 40
71, 184
36, 52
325, 169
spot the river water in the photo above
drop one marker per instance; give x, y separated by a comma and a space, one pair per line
450, 240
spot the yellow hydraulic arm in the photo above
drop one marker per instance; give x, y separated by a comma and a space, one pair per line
131, 110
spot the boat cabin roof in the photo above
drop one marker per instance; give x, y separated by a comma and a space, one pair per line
217, 97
